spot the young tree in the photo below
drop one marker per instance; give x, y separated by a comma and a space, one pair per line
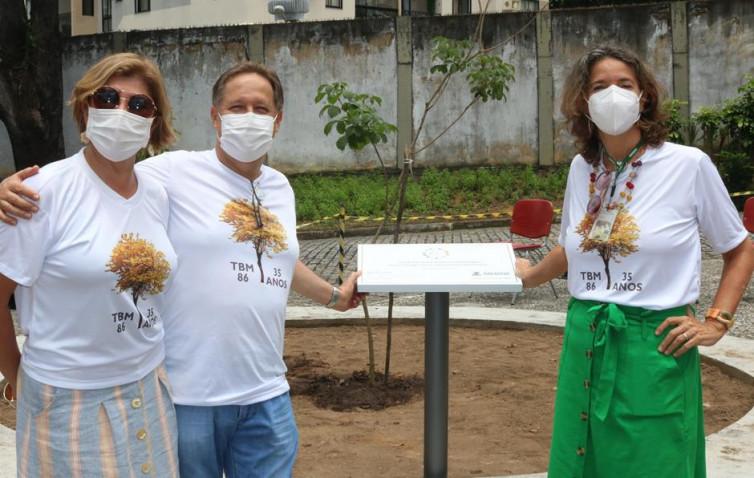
487, 76
255, 224
140, 267
355, 119
31, 96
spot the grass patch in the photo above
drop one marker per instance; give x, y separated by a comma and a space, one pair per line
431, 192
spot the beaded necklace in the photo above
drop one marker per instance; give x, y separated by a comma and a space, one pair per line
598, 181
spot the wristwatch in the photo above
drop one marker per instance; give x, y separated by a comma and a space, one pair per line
725, 318
334, 297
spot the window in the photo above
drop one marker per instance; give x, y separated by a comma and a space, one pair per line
143, 6
107, 16
87, 8
334, 4
462, 7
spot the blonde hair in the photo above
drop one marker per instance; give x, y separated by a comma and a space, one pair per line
127, 65
576, 89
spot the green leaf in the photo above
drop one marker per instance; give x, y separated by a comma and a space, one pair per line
333, 111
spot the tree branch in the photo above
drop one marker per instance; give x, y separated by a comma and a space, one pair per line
472, 103
511, 37
386, 213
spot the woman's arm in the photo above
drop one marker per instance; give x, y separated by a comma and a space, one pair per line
310, 285
738, 265
688, 332
10, 356
554, 264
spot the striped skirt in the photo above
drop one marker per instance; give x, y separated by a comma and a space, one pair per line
623, 409
125, 431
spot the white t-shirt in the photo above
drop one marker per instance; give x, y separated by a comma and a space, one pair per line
655, 258
77, 280
225, 312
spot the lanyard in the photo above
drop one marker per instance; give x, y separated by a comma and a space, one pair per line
619, 167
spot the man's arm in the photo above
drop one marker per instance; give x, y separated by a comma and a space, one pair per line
310, 285
16, 199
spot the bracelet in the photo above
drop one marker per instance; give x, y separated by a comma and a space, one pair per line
9, 399
334, 297
721, 316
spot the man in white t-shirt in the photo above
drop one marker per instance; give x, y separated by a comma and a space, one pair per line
233, 227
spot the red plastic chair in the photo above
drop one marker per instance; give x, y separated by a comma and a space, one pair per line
532, 219
749, 215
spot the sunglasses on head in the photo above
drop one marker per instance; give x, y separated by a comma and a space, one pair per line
108, 98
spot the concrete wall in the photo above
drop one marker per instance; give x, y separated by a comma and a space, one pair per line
492, 132
721, 49
305, 55
376, 57
645, 29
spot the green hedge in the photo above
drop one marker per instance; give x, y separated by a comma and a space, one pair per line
431, 191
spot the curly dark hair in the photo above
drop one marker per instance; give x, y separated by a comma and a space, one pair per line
576, 91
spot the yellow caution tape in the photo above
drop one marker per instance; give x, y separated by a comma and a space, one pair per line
477, 215
743, 193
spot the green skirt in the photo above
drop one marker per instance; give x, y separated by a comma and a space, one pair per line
623, 409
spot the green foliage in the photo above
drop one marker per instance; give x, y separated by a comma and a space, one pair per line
727, 135
488, 75
450, 56
435, 191
738, 115
354, 116
737, 170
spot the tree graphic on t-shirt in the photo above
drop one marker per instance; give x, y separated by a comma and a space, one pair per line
257, 225
140, 267
622, 241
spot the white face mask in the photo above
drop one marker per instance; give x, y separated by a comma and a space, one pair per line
246, 137
117, 134
614, 110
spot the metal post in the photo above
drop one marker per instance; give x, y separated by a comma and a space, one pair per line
436, 340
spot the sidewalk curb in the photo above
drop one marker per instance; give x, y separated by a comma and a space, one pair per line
366, 231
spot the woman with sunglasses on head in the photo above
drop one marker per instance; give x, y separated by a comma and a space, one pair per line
91, 389
628, 400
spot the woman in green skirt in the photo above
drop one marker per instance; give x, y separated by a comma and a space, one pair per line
629, 400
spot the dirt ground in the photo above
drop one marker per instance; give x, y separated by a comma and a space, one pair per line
501, 396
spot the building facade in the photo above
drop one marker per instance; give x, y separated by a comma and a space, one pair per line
98, 16
86, 17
